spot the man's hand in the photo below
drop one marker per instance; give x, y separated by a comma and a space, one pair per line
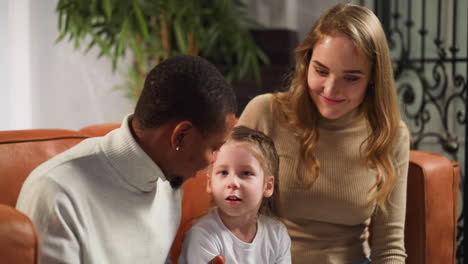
217, 260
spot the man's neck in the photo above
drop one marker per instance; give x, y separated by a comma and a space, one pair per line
148, 140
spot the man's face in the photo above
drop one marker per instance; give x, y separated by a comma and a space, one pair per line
198, 151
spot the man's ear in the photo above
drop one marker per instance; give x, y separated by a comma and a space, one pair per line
269, 186
179, 133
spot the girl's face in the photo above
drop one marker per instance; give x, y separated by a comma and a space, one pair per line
237, 181
338, 76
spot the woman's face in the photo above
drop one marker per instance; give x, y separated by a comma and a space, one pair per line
338, 76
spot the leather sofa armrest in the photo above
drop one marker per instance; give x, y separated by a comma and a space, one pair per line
18, 238
431, 213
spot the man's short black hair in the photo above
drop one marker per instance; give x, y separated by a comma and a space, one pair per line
185, 88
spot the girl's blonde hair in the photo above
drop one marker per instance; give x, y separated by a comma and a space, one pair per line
264, 150
380, 104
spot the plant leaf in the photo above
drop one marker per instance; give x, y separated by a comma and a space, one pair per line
90, 45
67, 22
121, 43
107, 7
142, 22
60, 37
60, 19
256, 70
102, 44
262, 56
138, 52
244, 67
180, 37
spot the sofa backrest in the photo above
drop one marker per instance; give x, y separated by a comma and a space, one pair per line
431, 207
99, 129
23, 150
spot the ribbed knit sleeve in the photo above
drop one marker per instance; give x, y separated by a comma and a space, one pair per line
387, 245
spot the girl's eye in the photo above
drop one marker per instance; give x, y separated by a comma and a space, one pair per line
351, 78
223, 172
246, 173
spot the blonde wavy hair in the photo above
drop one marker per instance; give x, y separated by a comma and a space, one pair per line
380, 105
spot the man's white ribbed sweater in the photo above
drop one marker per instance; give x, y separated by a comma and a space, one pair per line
102, 201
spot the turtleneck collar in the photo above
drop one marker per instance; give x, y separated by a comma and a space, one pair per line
354, 118
135, 167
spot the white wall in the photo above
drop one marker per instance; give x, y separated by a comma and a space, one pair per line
67, 88
5, 121
72, 89
19, 64
298, 15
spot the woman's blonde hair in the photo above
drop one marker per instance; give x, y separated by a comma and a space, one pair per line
380, 105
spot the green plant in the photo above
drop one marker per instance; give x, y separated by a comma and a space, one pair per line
153, 30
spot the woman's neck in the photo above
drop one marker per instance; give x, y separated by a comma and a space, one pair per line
353, 118
243, 227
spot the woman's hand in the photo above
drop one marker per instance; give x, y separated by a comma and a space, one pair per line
217, 260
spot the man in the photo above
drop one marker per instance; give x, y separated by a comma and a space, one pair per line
116, 199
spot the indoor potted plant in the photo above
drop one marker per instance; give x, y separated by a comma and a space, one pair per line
153, 30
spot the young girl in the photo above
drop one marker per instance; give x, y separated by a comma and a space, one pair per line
243, 181
343, 149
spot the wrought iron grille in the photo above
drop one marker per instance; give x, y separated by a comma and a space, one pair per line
429, 45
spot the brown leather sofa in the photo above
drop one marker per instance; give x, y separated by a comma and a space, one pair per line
431, 211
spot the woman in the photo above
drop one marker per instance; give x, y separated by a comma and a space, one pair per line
343, 149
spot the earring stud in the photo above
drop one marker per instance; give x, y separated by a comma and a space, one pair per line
177, 148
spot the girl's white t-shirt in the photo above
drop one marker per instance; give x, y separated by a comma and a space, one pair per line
209, 237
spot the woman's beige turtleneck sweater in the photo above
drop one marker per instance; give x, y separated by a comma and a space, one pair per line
329, 223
